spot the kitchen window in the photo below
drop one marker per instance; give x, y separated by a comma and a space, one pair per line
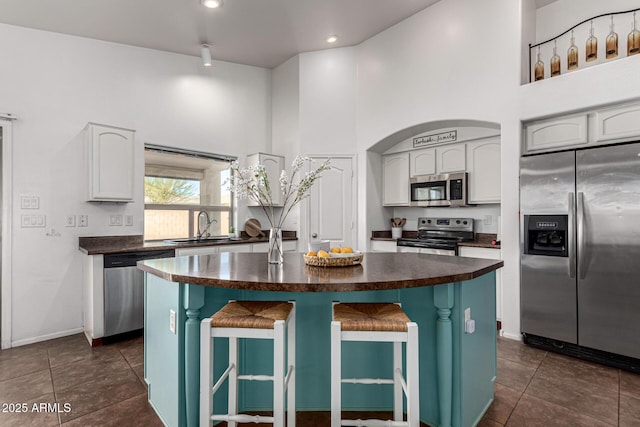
178, 185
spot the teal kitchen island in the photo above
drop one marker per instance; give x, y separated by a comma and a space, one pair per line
457, 369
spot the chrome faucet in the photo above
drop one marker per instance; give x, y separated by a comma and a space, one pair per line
203, 231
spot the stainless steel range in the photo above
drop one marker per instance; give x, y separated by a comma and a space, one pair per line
438, 236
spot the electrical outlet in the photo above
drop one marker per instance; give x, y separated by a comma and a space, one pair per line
172, 321
70, 221
83, 220
467, 314
487, 220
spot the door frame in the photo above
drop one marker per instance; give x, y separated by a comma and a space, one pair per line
303, 239
7, 209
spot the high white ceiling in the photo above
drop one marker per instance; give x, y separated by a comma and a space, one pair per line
263, 33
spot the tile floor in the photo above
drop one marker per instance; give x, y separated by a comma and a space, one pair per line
104, 387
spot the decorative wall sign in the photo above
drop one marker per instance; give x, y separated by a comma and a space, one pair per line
553, 49
436, 138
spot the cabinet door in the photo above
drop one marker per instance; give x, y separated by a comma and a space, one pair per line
197, 250
111, 163
235, 248
273, 166
395, 180
383, 246
487, 253
483, 168
618, 123
422, 162
556, 133
450, 158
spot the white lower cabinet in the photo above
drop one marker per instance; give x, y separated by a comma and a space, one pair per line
487, 253
288, 246
383, 246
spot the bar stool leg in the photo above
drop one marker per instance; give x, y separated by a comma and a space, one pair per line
336, 375
291, 361
233, 380
206, 373
278, 374
413, 376
397, 385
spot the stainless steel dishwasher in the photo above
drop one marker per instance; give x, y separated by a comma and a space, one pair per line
124, 290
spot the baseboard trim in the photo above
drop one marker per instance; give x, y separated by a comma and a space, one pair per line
47, 337
516, 337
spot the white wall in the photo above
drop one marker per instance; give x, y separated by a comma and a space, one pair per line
55, 84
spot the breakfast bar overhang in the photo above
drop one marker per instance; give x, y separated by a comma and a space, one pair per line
457, 369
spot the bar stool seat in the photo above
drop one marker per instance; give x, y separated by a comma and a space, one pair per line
379, 322
258, 320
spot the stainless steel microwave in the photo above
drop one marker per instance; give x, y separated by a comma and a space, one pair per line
439, 190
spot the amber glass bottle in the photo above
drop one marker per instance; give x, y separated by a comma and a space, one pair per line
538, 69
612, 42
572, 54
555, 61
633, 41
592, 46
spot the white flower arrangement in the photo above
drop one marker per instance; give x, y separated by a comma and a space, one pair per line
252, 183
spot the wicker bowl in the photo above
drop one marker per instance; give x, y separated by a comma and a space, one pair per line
335, 260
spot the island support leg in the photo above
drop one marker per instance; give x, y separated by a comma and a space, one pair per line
443, 301
193, 302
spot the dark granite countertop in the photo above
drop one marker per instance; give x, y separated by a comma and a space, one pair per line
135, 243
482, 240
378, 271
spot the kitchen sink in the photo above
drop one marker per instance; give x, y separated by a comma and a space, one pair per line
193, 240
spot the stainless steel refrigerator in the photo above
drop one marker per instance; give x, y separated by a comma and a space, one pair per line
580, 237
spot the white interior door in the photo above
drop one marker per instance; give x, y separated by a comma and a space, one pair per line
332, 204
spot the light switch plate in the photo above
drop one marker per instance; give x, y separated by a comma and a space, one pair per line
128, 220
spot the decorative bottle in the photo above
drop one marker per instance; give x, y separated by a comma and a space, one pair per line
612, 42
538, 72
572, 54
555, 61
633, 41
592, 46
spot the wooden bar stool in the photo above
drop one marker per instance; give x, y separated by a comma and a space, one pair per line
380, 322
250, 319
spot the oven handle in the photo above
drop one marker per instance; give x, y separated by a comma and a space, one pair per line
572, 235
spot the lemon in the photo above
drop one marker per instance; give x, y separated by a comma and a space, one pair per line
312, 253
335, 250
346, 250
323, 254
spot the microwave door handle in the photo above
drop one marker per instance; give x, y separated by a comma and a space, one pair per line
572, 235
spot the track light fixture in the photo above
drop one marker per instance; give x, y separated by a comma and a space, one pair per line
205, 53
211, 4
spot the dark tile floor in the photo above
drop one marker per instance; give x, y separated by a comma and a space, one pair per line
103, 386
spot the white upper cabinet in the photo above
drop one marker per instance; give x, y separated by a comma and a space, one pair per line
483, 168
618, 123
556, 133
111, 163
451, 158
273, 166
395, 179
422, 162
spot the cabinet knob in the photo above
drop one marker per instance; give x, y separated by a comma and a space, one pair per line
314, 235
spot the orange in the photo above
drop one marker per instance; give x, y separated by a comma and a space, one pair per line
335, 250
312, 253
323, 254
347, 250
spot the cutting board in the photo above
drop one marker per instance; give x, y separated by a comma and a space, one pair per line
253, 228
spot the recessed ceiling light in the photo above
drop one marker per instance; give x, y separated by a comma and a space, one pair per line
332, 39
211, 4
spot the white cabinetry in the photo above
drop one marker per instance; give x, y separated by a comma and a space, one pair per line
395, 179
483, 168
487, 253
422, 162
287, 246
273, 166
111, 163
451, 158
618, 123
383, 246
558, 132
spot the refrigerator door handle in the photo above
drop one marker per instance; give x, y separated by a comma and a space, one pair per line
581, 236
572, 235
